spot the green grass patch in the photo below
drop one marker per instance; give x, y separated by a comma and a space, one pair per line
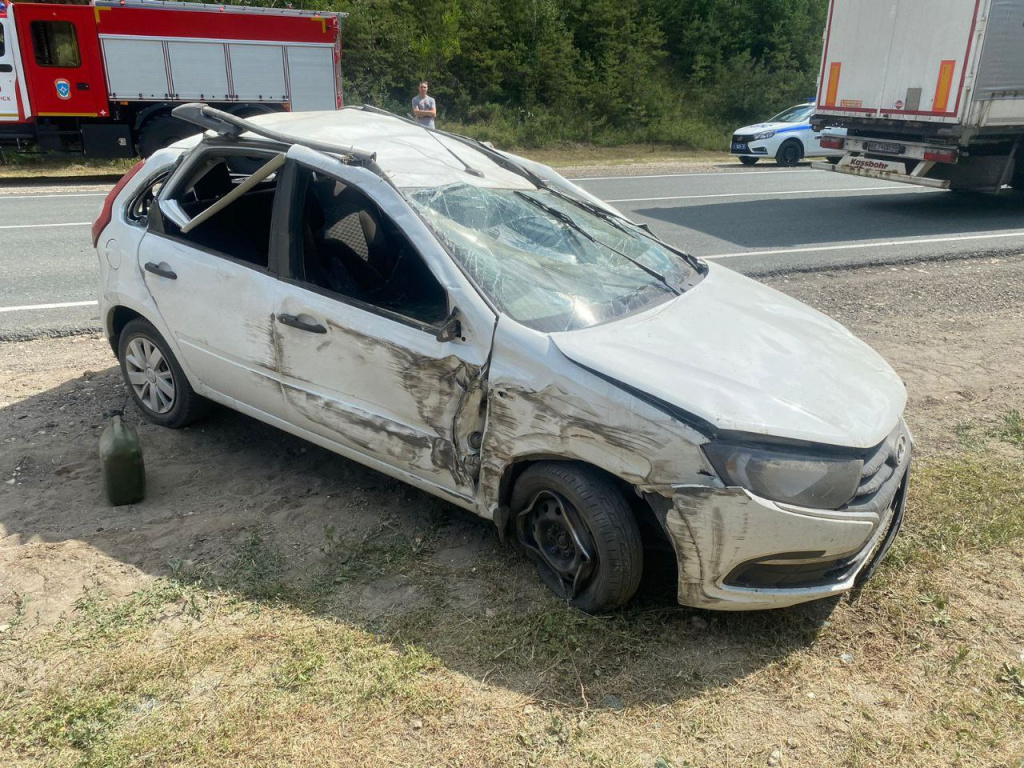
75, 718
969, 501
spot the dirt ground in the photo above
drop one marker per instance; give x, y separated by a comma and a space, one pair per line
951, 330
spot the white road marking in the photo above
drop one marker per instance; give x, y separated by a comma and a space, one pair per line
40, 197
47, 226
680, 175
875, 244
61, 305
893, 188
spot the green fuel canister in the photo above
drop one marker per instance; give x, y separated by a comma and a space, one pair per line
124, 473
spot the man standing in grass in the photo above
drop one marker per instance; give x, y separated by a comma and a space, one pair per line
423, 107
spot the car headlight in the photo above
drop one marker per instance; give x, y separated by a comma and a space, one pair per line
790, 477
764, 135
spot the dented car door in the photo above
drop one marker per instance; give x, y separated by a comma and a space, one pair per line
381, 346
212, 284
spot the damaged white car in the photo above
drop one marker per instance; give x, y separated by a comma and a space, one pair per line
475, 325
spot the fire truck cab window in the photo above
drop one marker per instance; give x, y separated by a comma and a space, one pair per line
55, 44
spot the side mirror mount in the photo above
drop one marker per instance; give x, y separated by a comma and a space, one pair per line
451, 327
645, 227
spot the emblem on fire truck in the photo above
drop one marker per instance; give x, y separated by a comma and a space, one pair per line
63, 88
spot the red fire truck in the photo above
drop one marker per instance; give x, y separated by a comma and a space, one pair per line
102, 78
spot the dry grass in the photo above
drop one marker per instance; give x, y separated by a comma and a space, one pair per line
19, 166
237, 663
582, 155
573, 156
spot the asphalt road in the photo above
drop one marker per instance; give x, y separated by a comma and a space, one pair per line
758, 221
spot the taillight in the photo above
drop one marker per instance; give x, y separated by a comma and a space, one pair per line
108, 205
940, 155
831, 142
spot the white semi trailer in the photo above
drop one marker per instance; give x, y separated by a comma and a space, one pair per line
930, 92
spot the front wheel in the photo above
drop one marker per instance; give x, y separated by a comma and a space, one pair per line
575, 524
790, 153
155, 379
748, 160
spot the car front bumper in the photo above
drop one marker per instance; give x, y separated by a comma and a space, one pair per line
765, 148
736, 551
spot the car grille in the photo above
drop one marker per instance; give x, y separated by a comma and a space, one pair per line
743, 138
884, 466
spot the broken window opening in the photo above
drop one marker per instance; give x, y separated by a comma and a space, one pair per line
241, 229
546, 262
350, 248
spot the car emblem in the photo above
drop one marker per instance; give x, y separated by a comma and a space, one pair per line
901, 449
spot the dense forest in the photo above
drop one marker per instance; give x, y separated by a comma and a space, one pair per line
536, 72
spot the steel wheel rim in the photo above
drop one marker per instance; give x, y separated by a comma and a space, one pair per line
552, 531
150, 375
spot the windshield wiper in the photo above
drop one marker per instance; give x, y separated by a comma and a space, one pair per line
568, 220
620, 224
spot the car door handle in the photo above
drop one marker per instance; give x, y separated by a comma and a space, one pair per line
161, 269
303, 325
82, 86
6, 68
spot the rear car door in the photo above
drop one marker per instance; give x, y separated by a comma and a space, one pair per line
208, 262
62, 60
371, 356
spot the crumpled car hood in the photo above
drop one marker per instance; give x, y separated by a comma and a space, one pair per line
745, 357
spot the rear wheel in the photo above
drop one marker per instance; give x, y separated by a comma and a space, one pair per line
575, 524
747, 160
162, 131
790, 153
155, 379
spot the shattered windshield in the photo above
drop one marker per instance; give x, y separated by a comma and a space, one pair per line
547, 262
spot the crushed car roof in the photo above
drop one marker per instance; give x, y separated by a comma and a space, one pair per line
409, 154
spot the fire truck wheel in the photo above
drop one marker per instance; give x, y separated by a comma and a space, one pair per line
251, 111
161, 132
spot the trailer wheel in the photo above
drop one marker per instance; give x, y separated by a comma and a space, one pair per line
790, 153
162, 131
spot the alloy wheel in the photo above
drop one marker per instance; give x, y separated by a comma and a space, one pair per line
150, 375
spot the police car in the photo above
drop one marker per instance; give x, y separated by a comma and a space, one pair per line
787, 137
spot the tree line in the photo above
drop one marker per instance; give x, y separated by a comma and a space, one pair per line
537, 72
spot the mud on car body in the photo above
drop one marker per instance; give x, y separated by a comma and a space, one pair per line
471, 323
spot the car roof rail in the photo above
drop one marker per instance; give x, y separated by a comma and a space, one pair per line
232, 126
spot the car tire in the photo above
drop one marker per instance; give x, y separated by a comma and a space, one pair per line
748, 160
154, 378
834, 159
162, 131
563, 511
790, 153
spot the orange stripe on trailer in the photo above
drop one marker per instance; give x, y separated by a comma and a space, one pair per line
944, 85
833, 83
